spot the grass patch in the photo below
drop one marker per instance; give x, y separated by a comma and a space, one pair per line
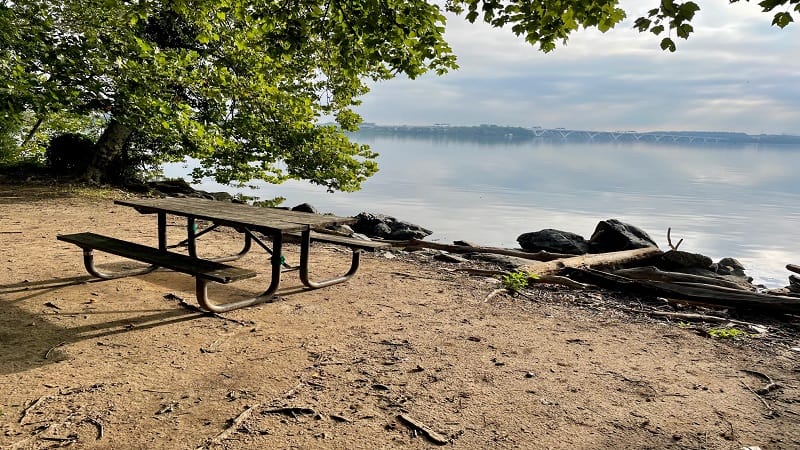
727, 333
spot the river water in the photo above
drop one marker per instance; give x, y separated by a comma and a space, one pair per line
721, 199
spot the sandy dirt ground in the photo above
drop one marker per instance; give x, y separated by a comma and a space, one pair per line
122, 364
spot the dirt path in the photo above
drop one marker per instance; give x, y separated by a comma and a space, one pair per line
122, 364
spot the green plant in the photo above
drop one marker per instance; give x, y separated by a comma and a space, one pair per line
517, 281
727, 333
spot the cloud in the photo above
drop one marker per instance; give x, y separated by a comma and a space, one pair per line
736, 73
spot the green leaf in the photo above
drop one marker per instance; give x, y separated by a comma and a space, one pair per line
688, 10
642, 24
684, 30
782, 19
658, 29
667, 44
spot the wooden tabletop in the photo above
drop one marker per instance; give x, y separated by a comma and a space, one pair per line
233, 214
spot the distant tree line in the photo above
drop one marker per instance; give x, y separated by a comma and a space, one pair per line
499, 134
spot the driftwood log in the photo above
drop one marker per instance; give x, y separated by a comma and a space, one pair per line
595, 260
793, 268
416, 244
696, 293
655, 274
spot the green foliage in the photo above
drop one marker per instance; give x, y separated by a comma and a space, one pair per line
547, 22
517, 281
240, 85
727, 333
237, 84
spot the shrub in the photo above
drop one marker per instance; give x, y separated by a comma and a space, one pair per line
69, 153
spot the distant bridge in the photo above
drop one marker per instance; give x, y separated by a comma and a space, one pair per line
626, 136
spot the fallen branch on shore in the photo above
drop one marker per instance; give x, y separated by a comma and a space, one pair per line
654, 274
594, 260
234, 425
415, 244
695, 293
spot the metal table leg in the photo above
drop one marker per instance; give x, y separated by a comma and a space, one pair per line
305, 250
275, 263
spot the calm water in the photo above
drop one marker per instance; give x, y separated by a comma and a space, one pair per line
722, 201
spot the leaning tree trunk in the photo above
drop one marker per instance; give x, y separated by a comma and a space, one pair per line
108, 147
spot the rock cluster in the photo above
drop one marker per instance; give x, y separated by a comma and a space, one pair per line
388, 227
614, 235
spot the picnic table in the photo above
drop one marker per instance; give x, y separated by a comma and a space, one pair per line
273, 223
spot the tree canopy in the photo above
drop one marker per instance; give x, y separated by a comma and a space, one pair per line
241, 85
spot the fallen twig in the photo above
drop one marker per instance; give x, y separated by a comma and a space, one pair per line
235, 423
770, 412
292, 411
495, 293
688, 316
556, 279
770, 386
423, 429
50, 350
98, 424
30, 407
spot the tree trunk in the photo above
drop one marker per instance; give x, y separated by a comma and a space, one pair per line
108, 147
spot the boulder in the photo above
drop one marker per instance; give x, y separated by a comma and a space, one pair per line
730, 266
677, 260
555, 241
388, 227
305, 207
613, 235
794, 284
172, 187
218, 196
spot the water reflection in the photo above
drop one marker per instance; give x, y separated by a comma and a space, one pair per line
723, 201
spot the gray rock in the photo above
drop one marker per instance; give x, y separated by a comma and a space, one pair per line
172, 187
305, 207
678, 259
219, 196
555, 241
730, 262
613, 235
381, 230
794, 283
730, 266
388, 227
509, 263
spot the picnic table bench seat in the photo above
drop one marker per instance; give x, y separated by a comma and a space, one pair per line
208, 270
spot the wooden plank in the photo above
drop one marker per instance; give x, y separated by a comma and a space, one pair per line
218, 272
236, 213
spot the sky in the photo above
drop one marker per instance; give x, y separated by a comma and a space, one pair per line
737, 73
